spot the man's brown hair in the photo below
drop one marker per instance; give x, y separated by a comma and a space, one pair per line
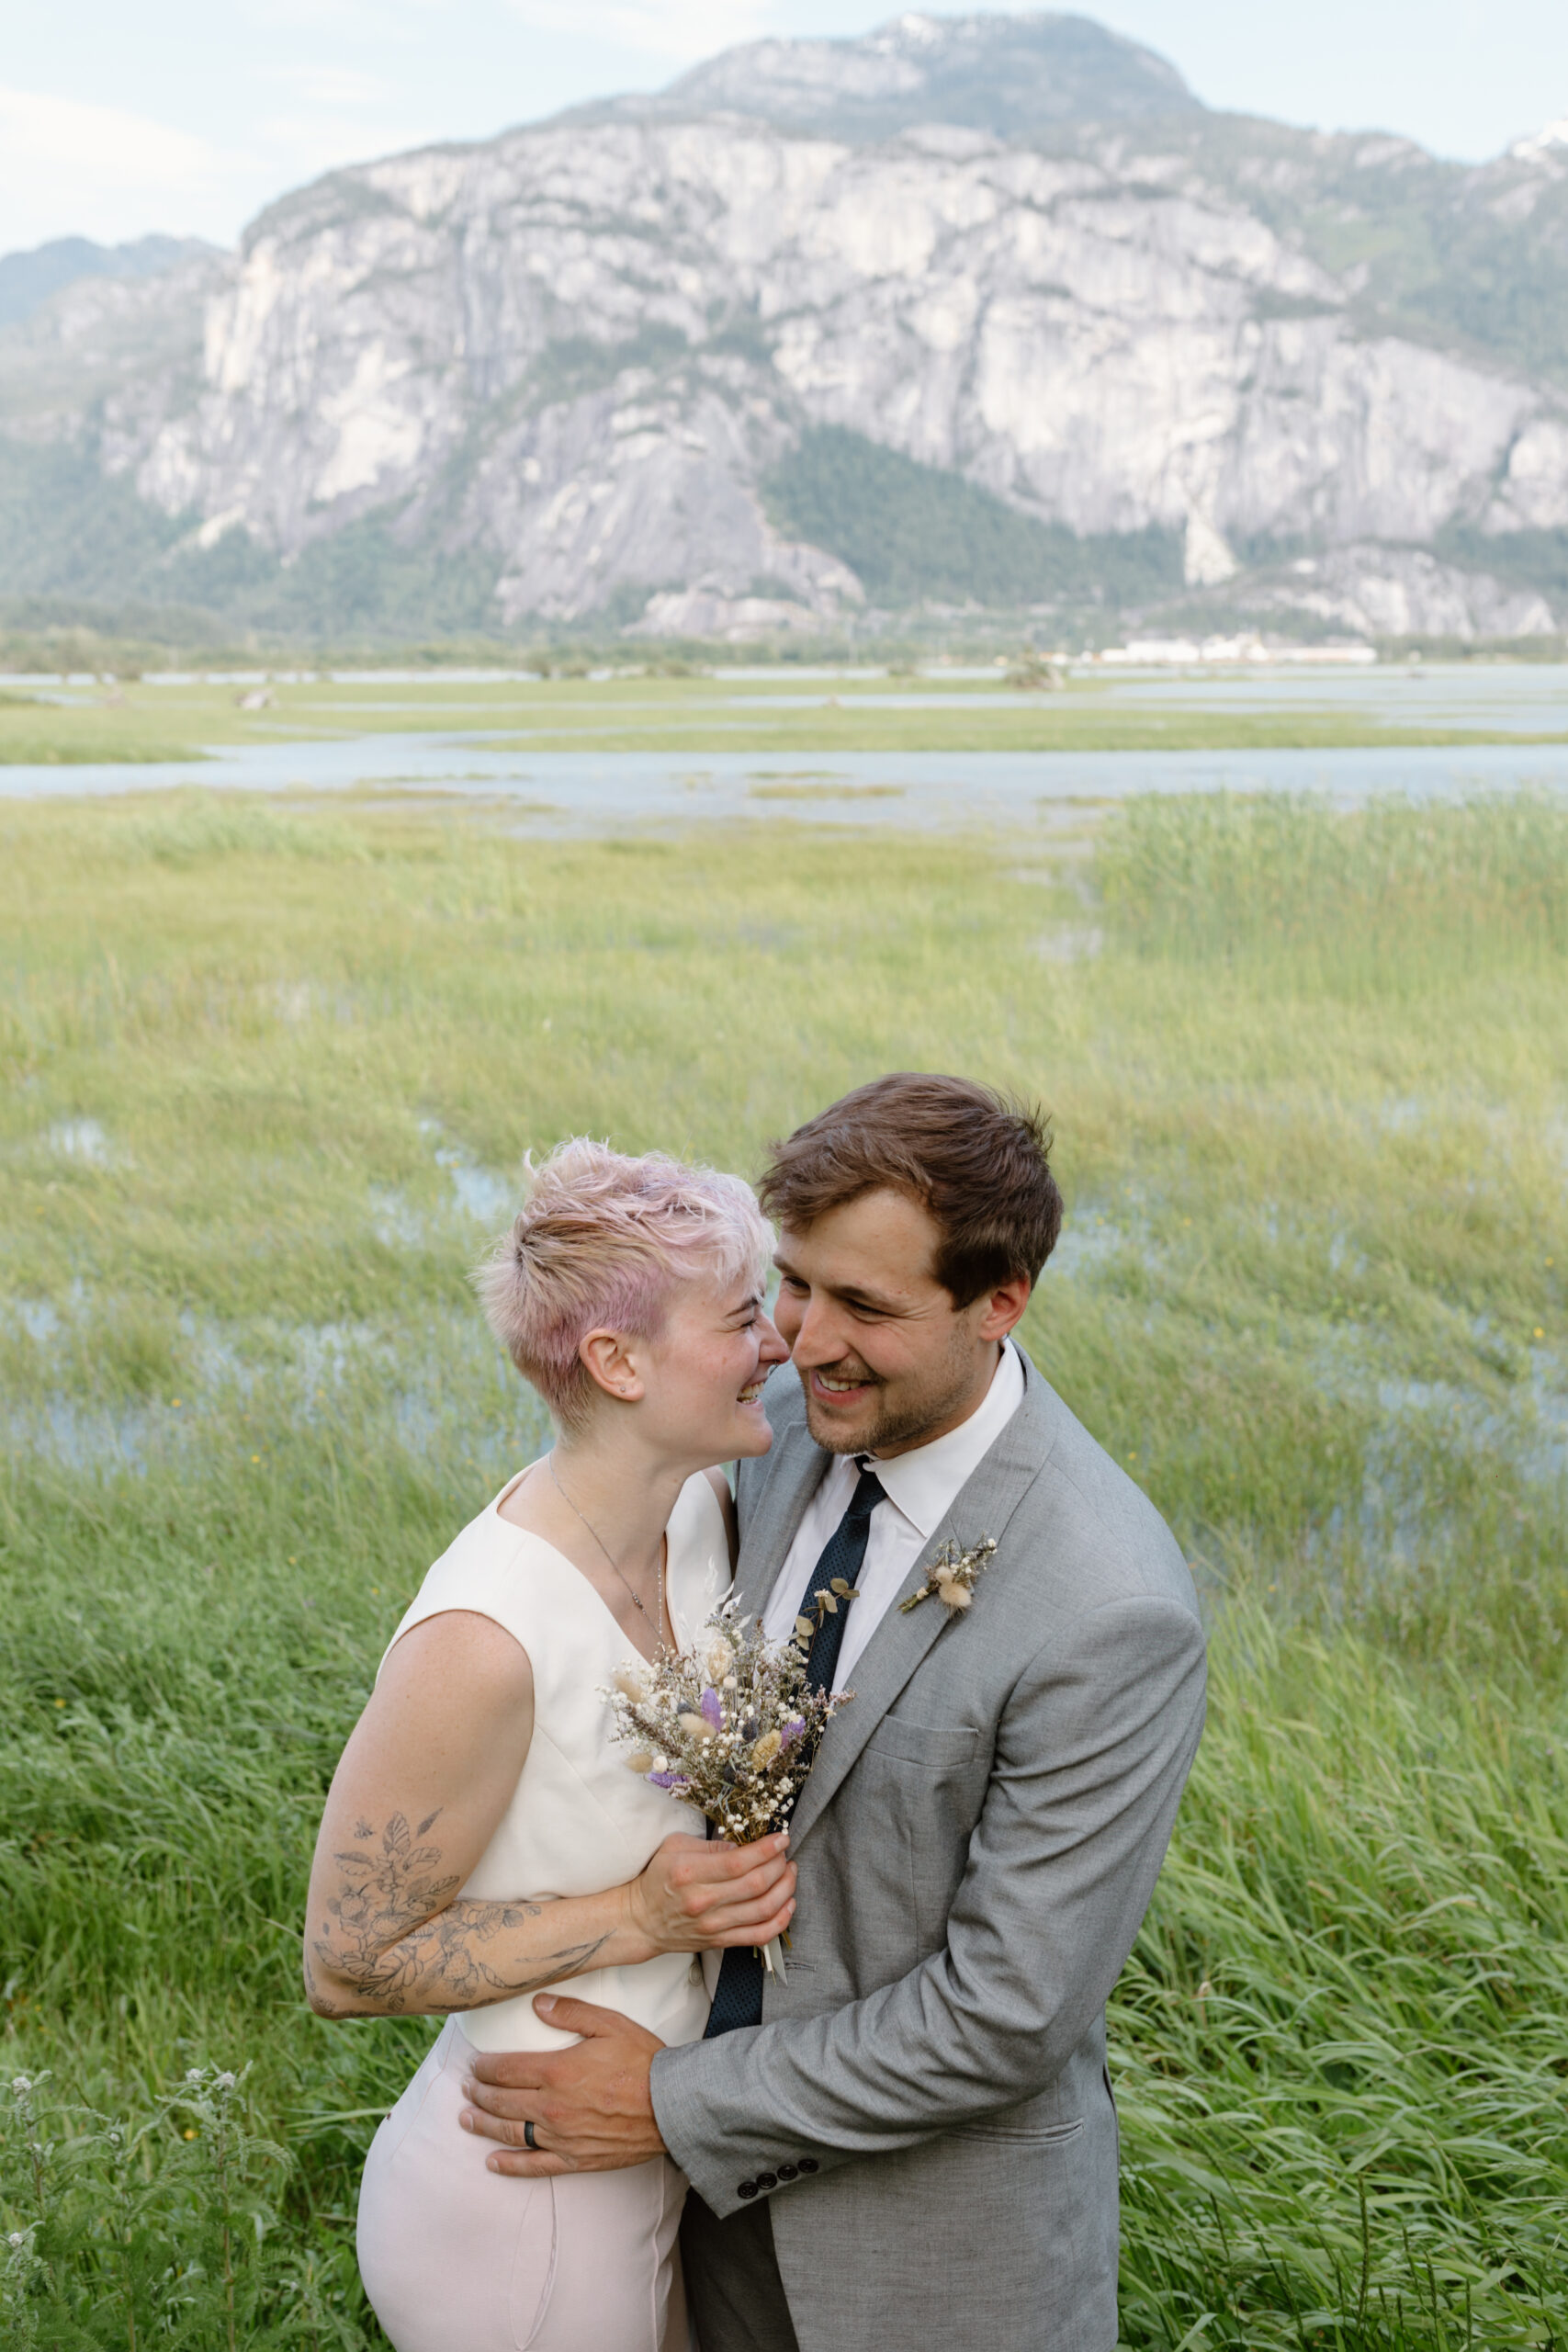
978, 1163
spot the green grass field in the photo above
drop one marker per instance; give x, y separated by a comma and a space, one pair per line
137, 721
269, 1069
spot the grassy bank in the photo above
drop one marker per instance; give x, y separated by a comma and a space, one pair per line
269, 1068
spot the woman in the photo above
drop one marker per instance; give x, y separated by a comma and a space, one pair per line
483, 1840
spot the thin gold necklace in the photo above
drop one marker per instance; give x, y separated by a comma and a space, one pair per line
636, 1599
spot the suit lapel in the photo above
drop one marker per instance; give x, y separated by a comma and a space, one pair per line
772, 1527
982, 1507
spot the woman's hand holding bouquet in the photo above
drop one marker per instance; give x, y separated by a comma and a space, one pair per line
699, 1896
731, 1725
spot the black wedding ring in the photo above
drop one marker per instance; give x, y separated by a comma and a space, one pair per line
528, 2139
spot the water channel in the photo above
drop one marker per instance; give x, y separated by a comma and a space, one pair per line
565, 791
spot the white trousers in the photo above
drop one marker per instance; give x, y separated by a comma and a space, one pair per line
458, 2258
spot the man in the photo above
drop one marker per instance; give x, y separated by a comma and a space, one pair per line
910, 2139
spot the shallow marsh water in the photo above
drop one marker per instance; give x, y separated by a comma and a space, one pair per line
481, 731
587, 792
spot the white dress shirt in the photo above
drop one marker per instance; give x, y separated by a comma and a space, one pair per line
920, 1488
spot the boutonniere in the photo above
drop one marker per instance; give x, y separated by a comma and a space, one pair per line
952, 1575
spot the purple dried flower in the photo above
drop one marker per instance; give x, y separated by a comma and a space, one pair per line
736, 1744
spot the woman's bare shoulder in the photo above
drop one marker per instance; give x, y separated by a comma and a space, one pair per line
459, 1648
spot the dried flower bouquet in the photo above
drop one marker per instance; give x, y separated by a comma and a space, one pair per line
731, 1725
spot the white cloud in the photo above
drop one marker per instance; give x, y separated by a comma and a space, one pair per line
68, 168
108, 173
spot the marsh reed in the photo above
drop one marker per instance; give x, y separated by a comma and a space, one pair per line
269, 1068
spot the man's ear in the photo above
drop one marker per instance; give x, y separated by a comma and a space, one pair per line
1004, 1307
606, 1358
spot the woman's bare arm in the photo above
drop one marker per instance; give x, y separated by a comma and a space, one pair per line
425, 1778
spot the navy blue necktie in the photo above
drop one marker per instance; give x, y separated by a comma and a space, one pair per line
738, 1996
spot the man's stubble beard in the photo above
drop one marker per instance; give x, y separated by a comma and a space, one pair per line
909, 1425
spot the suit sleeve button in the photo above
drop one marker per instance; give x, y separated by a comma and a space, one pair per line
809, 2164
766, 2180
789, 2172
746, 2188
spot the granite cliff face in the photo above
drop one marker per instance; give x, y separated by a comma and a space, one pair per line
584, 353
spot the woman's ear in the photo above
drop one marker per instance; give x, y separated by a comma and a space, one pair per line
606, 1358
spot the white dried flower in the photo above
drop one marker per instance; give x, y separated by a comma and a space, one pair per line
952, 1575
735, 1745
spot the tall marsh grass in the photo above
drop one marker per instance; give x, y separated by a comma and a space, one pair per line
269, 1070
1378, 895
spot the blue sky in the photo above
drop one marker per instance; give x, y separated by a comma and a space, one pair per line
182, 116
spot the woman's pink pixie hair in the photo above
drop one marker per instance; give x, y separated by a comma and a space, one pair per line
602, 1242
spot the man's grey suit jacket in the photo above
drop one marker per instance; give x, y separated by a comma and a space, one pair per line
926, 2102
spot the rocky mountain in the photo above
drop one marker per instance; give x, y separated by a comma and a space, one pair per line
984, 310
1006, 75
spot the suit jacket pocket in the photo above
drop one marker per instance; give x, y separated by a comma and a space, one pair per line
1038, 2135
937, 1746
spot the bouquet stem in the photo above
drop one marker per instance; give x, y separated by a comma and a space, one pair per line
772, 1959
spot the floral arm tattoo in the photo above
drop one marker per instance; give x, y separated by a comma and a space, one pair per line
395, 1939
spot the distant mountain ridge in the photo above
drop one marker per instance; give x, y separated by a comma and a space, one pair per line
29, 279
699, 363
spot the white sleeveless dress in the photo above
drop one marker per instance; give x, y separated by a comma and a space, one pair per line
455, 2258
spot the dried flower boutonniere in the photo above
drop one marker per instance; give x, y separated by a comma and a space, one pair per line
952, 1575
